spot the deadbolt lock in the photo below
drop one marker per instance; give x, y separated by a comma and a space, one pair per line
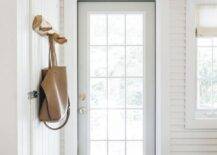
82, 97
33, 94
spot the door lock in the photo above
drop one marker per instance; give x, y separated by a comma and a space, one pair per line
82, 97
33, 94
83, 110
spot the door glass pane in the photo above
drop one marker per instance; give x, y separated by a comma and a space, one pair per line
134, 121
116, 93
98, 29
116, 124
98, 92
116, 148
134, 148
98, 123
116, 61
116, 83
134, 61
134, 29
116, 29
98, 63
134, 92
98, 148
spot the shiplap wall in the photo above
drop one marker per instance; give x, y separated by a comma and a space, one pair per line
43, 140
183, 141
32, 55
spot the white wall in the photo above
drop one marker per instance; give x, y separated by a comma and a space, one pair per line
43, 140
8, 77
181, 140
34, 138
15, 45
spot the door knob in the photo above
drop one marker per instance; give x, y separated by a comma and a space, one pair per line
83, 110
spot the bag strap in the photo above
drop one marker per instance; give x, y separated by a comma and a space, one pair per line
65, 122
53, 62
52, 53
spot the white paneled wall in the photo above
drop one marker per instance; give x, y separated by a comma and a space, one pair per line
32, 55
43, 140
183, 141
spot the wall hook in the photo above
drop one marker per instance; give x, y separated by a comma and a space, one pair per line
44, 28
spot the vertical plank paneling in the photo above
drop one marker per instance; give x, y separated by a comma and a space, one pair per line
23, 31
43, 140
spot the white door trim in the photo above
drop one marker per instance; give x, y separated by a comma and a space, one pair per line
70, 52
162, 74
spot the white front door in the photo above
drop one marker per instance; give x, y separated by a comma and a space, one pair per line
116, 78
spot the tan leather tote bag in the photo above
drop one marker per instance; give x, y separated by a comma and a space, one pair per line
55, 105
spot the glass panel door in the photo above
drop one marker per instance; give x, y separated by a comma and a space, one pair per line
112, 79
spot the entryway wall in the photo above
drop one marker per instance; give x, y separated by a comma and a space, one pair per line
33, 138
8, 78
180, 140
33, 52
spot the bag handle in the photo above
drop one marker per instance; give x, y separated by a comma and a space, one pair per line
53, 62
52, 53
65, 122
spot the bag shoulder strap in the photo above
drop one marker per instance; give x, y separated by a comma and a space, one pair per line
65, 122
52, 52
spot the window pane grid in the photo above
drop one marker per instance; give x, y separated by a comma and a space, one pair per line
117, 77
116, 108
117, 45
119, 140
124, 119
206, 78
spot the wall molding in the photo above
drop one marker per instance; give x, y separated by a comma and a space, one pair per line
162, 75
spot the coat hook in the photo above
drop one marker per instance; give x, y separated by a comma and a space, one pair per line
41, 26
44, 28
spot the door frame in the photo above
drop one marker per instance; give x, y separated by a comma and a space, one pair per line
162, 77
147, 9
162, 72
69, 141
